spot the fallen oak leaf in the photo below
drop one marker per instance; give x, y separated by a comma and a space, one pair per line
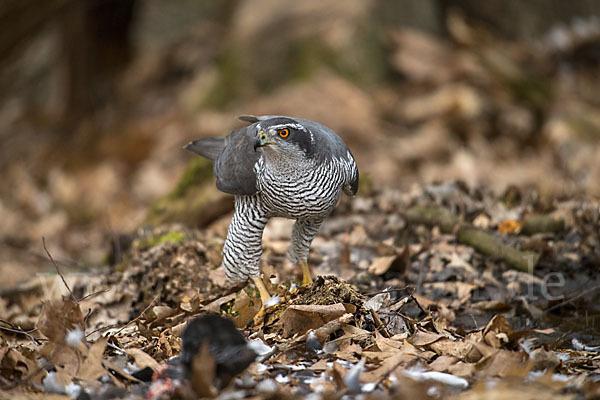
302, 318
142, 359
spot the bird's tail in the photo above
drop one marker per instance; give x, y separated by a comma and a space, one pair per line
209, 148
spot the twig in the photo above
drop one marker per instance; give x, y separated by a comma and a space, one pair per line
18, 330
417, 303
388, 290
58, 270
379, 324
572, 299
87, 296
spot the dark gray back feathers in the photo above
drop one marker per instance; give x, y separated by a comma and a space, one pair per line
235, 156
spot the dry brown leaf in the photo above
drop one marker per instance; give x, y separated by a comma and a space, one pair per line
491, 305
349, 352
215, 305
385, 344
337, 373
424, 338
447, 347
298, 319
497, 331
462, 369
377, 357
190, 305
68, 357
142, 359
14, 360
358, 236
540, 359
512, 389
442, 363
59, 316
246, 308
391, 363
160, 313
501, 363
119, 372
91, 368
320, 365
380, 265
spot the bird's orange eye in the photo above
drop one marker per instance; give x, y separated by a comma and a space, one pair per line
284, 133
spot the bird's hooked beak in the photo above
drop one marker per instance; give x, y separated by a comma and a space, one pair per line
261, 140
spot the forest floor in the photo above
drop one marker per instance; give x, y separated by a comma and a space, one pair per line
440, 292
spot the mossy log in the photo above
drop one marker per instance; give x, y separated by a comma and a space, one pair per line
542, 224
483, 242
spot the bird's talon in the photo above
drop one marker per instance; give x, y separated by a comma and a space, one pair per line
307, 280
259, 318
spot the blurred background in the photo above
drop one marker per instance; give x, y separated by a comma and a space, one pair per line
97, 98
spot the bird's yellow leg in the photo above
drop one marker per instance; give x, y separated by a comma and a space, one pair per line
264, 298
306, 279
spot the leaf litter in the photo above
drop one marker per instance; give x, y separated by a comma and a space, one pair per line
424, 313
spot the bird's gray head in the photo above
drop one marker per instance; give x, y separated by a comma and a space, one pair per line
284, 136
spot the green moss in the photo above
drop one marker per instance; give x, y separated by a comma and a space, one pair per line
169, 237
365, 185
198, 171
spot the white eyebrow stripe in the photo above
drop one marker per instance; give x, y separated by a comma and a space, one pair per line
289, 125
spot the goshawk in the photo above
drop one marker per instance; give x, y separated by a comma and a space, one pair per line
277, 167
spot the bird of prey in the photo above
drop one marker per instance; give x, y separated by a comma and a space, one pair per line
277, 167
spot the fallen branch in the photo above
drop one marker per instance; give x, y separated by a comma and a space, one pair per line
491, 246
483, 242
542, 224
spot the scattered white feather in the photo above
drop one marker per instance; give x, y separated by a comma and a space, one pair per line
351, 380
582, 347
561, 378
312, 342
282, 379
74, 337
564, 357
273, 301
369, 387
267, 386
433, 391
51, 385
448, 379
260, 368
73, 390
533, 375
259, 347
